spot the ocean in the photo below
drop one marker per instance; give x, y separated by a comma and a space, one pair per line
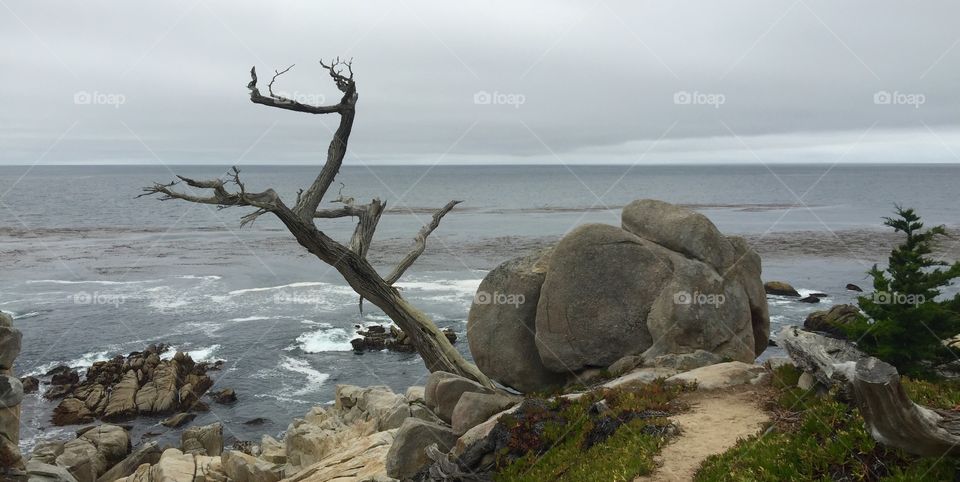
91, 271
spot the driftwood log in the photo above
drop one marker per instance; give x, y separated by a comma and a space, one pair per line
892, 418
349, 260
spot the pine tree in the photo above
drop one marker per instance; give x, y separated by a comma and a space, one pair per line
905, 323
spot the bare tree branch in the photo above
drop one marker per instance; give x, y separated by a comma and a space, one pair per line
350, 260
420, 242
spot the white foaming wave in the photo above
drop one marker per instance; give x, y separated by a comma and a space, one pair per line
260, 318
325, 339
83, 361
465, 287
805, 292
198, 355
211, 277
315, 378
31, 314
96, 282
301, 284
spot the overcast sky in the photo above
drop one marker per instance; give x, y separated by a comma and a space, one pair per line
484, 82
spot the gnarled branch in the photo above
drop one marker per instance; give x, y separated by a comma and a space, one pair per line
420, 242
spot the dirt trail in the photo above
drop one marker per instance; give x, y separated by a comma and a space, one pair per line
714, 423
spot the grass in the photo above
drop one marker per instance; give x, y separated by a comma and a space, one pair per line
819, 438
607, 434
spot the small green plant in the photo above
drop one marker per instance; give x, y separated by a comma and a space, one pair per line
904, 322
605, 434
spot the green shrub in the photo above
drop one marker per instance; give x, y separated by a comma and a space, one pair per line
572, 440
904, 322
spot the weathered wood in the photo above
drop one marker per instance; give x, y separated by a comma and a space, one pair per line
351, 260
895, 420
891, 417
818, 355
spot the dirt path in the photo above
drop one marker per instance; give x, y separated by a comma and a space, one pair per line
714, 423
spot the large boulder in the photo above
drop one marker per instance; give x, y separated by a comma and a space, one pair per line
678, 229
10, 339
502, 323
594, 302
407, 455
176, 466
666, 282
780, 288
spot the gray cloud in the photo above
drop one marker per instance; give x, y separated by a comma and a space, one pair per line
485, 82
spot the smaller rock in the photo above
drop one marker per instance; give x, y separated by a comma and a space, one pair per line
820, 295
43, 472
641, 376
722, 375
30, 384
47, 452
831, 321
10, 339
447, 393
407, 455
809, 299
204, 440
11, 391
625, 364
475, 408
225, 396
179, 420
63, 375
72, 411
272, 450
148, 453
853, 287
806, 381
256, 421
241, 467
686, 361
415, 394
450, 334
780, 288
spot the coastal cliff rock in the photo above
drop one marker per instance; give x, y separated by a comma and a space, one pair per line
665, 282
11, 394
121, 388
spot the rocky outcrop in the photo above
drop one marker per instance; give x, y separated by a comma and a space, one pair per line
380, 337
780, 288
121, 388
176, 466
11, 394
94, 451
666, 282
443, 392
831, 321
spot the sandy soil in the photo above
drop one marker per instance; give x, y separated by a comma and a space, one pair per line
714, 423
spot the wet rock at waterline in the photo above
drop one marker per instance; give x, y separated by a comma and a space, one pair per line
380, 337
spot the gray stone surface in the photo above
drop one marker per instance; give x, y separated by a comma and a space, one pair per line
502, 322
407, 455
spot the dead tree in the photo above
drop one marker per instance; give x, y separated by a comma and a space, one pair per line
349, 260
892, 418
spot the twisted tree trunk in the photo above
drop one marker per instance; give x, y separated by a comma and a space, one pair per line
350, 261
892, 418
